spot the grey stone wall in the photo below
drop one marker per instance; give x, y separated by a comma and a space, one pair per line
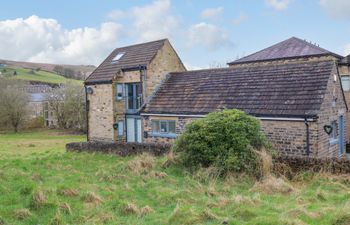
122, 149
300, 164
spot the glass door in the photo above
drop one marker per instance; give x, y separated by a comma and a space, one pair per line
133, 130
133, 102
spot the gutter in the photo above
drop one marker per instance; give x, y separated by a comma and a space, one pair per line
125, 69
300, 119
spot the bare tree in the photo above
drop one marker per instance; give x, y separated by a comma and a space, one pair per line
14, 104
68, 106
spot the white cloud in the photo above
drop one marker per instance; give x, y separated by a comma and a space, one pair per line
44, 40
278, 4
212, 12
39, 39
154, 21
117, 14
241, 18
149, 22
209, 36
337, 8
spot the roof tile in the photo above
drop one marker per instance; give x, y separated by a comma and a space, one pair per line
290, 48
134, 55
273, 90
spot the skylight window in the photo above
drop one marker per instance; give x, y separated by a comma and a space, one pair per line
118, 57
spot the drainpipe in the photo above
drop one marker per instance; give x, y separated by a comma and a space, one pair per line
87, 115
307, 137
143, 80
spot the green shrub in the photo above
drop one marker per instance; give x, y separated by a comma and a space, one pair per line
226, 140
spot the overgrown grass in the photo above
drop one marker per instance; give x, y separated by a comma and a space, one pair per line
45, 185
42, 76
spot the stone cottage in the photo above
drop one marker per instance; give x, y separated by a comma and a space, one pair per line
122, 84
293, 87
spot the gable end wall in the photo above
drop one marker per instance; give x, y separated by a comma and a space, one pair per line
329, 113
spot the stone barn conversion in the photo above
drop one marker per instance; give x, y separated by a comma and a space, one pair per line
143, 93
119, 87
293, 87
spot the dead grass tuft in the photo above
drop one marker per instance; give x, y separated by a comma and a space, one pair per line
272, 185
91, 197
240, 199
321, 195
292, 221
205, 175
302, 211
69, 192
343, 219
185, 216
211, 191
146, 210
38, 199
208, 215
22, 214
170, 159
36, 178
283, 170
265, 163
160, 174
141, 164
65, 207
102, 218
223, 202
131, 208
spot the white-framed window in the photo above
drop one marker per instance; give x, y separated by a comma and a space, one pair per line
345, 82
163, 126
120, 128
118, 57
333, 136
119, 91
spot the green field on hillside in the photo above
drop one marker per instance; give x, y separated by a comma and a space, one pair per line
42, 184
42, 76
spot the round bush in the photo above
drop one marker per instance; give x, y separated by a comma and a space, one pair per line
226, 140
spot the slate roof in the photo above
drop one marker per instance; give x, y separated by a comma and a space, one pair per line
290, 90
134, 55
290, 48
345, 60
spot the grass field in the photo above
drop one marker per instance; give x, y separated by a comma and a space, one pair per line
41, 184
42, 76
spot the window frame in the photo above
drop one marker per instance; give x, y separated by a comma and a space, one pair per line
118, 56
136, 98
347, 82
333, 137
120, 130
160, 133
119, 92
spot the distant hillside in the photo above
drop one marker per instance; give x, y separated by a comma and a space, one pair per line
34, 76
79, 72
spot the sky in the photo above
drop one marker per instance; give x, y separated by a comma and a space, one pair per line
205, 33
